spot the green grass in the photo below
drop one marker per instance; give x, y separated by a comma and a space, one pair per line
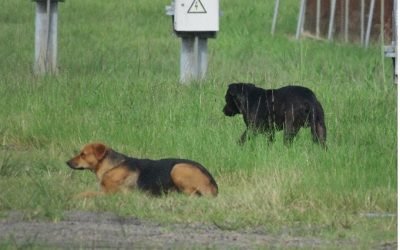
118, 83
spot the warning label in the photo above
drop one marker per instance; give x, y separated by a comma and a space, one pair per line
197, 8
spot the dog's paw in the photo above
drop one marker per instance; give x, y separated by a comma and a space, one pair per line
87, 194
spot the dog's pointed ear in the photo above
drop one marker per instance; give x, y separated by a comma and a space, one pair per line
100, 150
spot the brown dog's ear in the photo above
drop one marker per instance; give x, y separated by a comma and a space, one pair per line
100, 151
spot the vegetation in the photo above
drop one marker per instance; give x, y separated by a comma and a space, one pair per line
118, 83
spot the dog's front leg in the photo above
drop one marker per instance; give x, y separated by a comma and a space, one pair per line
87, 194
271, 136
243, 138
289, 133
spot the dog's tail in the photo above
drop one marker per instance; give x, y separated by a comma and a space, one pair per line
318, 129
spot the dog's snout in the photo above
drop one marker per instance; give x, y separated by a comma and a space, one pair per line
70, 164
227, 111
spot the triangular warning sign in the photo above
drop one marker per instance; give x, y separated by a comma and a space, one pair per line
197, 7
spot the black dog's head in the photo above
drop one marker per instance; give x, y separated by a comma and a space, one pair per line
235, 98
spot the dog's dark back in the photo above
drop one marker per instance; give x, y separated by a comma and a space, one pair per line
268, 109
155, 175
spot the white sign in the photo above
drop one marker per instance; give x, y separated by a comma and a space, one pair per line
197, 7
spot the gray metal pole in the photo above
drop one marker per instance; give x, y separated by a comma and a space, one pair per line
362, 15
46, 37
300, 21
331, 20
382, 20
370, 16
275, 16
317, 23
346, 21
394, 43
188, 59
394, 22
202, 57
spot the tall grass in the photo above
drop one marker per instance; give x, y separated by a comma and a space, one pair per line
118, 83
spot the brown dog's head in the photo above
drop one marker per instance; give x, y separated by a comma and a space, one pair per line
89, 158
235, 98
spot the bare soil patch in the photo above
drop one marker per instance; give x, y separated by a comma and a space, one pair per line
106, 230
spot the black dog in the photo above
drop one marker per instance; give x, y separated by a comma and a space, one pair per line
266, 110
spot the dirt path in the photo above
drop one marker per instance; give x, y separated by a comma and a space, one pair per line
106, 230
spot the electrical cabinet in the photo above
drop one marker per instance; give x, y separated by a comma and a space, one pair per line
196, 15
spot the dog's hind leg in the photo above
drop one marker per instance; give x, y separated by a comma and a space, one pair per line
318, 132
190, 180
318, 129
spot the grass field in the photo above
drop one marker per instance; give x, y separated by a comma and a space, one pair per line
118, 83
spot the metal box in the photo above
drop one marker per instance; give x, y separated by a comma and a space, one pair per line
196, 15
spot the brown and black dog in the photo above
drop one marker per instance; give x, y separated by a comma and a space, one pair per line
117, 172
268, 110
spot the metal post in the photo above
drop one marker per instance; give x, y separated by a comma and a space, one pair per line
188, 59
202, 57
46, 37
300, 21
391, 50
317, 23
382, 20
394, 38
395, 13
346, 21
275, 16
370, 16
362, 15
331, 20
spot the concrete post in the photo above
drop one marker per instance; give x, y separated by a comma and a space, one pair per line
46, 37
194, 58
202, 57
188, 59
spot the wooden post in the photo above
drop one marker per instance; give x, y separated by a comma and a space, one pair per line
300, 21
331, 20
275, 16
370, 16
46, 37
